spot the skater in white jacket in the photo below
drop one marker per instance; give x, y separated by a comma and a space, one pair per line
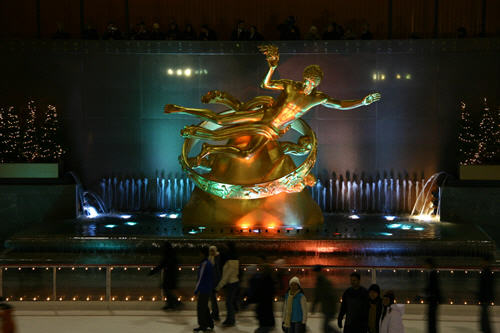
391, 320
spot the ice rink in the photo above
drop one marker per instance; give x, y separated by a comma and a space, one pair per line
125, 319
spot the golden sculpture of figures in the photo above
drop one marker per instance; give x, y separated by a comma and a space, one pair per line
263, 117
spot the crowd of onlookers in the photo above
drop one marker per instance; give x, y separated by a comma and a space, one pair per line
288, 30
361, 310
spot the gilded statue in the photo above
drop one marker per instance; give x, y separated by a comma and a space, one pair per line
263, 119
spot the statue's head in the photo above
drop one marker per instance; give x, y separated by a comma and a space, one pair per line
312, 78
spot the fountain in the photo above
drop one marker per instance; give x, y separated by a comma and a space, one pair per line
333, 195
424, 207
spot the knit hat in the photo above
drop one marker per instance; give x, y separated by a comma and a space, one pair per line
294, 279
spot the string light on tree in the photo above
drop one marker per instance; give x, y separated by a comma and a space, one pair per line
30, 147
2, 133
488, 135
10, 135
498, 134
50, 149
467, 137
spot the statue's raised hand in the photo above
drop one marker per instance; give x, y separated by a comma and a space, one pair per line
371, 98
271, 53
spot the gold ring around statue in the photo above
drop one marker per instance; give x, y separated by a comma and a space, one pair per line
290, 183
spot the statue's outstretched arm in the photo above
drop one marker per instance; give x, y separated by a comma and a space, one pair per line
272, 58
350, 104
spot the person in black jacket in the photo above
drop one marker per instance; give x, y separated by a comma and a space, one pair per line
433, 293
486, 293
170, 268
354, 307
324, 295
214, 258
188, 33
240, 32
289, 30
261, 291
254, 34
173, 32
204, 288
206, 33
112, 32
375, 310
156, 33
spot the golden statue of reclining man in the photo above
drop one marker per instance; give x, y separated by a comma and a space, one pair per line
263, 118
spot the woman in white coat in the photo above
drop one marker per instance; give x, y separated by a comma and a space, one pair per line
391, 320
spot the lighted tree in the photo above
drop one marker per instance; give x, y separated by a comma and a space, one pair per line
10, 135
30, 148
467, 137
50, 148
2, 138
488, 147
497, 159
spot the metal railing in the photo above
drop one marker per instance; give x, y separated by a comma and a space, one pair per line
133, 283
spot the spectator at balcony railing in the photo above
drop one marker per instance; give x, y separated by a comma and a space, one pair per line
332, 32
156, 33
313, 33
348, 34
112, 32
240, 32
140, 32
365, 32
206, 33
289, 30
188, 33
60, 33
173, 32
90, 32
461, 32
253, 34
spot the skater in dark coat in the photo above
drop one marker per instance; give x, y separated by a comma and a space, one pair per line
170, 267
324, 295
375, 310
204, 288
486, 293
354, 307
261, 292
433, 293
215, 259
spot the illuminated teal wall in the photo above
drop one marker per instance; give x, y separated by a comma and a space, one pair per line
111, 95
